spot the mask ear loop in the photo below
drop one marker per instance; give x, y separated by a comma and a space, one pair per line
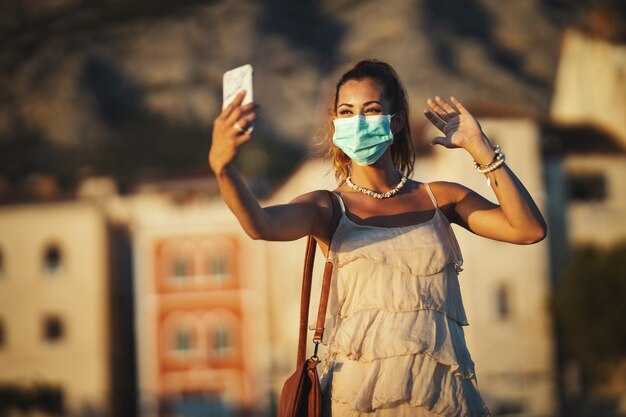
392, 136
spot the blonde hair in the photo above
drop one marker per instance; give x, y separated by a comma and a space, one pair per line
403, 148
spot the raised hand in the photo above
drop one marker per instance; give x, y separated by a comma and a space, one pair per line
231, 129
460, 128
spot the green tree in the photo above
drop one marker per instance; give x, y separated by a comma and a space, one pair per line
589, 304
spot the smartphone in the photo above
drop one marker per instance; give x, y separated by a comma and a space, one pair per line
236, 80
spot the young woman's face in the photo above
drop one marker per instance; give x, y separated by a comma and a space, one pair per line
361, 97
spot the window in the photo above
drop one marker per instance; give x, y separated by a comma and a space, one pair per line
586, 187
502, 300
221, 340
178, 262
218, 268
179, 335
179, 268
216, 261
219, 265
223, 343
183, 340
220, 332
53, 329
53, 260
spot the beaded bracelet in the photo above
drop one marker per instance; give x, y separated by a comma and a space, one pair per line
496, 157
492, 166
496, 162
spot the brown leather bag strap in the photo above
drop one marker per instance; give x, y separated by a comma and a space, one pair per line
305, 298
307, 278
321, 312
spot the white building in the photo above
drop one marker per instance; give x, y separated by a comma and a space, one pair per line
55, 322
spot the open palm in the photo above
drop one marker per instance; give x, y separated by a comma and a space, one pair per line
457, 123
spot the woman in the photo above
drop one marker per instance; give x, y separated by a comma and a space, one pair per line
394, 329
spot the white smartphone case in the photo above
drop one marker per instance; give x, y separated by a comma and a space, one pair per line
234, 81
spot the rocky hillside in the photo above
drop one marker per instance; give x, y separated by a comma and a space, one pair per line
130, 88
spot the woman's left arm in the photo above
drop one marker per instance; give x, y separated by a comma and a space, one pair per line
517, 218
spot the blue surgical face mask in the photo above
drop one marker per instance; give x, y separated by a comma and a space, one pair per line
363, 138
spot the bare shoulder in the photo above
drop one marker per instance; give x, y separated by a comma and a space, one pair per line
448, 193
319, 212
458, 202
319, 198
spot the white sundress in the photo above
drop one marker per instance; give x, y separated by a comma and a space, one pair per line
394, 335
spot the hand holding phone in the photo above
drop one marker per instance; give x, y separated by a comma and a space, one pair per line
233, 127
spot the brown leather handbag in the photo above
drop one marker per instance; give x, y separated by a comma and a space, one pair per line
301, 395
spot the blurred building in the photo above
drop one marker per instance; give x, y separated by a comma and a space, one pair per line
590, 108
200, 310
138, 305
585, 174
590, 83
56, 343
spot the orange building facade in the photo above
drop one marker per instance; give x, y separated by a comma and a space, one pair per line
199, 318
195, 315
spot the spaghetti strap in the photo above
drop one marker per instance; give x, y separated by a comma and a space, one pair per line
343, 207
430, 193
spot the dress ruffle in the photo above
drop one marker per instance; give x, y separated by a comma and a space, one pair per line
407, 385
356, 283
375, 334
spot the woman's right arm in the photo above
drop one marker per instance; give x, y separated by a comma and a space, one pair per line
308, 214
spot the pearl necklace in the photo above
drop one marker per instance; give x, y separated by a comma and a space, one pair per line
375, 194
